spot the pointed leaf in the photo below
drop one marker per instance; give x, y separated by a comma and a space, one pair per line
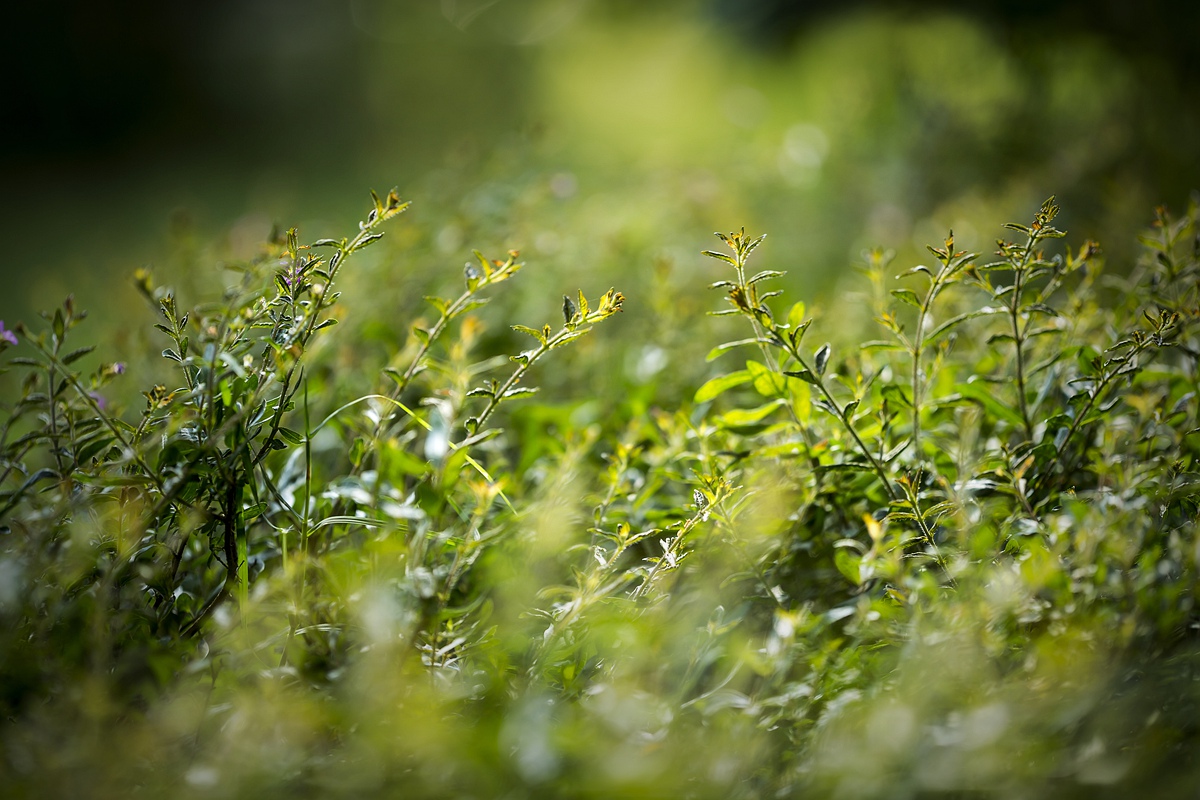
897, 395
907, 296
825, 405
795, 317
728, 259
720, 384
804, 375
539, 335
766, 273
722, 348
821, 359
740, 417
75, 355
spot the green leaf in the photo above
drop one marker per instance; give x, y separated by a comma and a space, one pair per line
740, 417
821, 358
890, 455
728, 259
795, 317
767, 382
985, 395
784, 450
722, 348
471, 306
762, 276
75, 355
796, 334
907, 296
478, 438
847, 563
93, 448
721, 384
571, 336
950, 323
452, 466
367, 241
846, 466
398, 377
896, 394
804, 375
290, 436
405, 462
826, 406
541, 337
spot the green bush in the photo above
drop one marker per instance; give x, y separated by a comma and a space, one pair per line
960, 557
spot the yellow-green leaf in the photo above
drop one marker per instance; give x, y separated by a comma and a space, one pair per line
720, 384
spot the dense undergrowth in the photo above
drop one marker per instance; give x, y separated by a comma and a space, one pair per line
958, 557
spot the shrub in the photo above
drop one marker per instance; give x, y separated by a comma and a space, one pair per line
959, 557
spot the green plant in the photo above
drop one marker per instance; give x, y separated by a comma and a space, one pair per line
962, 556
981, 441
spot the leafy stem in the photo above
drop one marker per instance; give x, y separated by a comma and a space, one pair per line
1027, 264
745, 298
578, 321
952, 264
1121, 361
56, 364
384, 209
706, 502
488, 273
910, 509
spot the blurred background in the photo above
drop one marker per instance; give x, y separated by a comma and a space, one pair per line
606, 139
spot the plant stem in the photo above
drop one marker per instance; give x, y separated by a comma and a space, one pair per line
1018, 333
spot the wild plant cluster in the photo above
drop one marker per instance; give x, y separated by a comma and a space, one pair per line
958, 557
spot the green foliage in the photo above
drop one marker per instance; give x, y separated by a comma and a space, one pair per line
962, 556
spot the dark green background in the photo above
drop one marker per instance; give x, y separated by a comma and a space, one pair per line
135, 126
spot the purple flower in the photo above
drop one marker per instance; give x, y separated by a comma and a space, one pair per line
7, 336
293, 271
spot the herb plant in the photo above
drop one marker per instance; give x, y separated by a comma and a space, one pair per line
961, 556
